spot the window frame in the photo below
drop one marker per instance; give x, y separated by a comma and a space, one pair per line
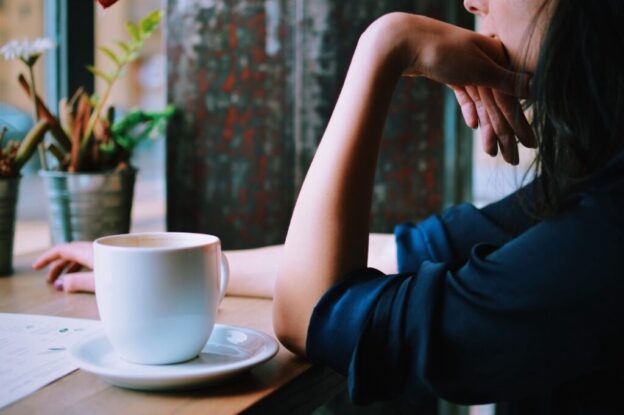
72, 27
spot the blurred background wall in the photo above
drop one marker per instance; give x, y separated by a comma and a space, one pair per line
257, 80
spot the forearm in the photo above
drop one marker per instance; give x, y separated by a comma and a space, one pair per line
253, 271
328, 234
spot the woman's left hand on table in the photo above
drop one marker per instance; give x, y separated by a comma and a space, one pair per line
64, 262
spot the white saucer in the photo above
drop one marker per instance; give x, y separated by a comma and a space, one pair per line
229, 351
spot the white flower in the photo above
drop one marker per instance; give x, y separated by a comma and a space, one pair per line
26, 50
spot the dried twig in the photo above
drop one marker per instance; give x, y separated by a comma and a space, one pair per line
55, 126
59, 155
80, 124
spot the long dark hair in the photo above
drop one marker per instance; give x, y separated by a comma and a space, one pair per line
577, 97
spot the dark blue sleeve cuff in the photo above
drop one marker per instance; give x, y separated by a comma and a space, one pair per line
347, 298
447, 238
416, 244
467, 226
359, 329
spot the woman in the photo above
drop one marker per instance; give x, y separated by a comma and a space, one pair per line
497, 305
518, 302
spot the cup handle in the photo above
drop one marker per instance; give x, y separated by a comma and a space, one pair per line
224, 276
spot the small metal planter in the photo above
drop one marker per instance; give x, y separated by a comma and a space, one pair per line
85, 206
8, 202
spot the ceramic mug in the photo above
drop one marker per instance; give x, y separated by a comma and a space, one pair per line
158, 293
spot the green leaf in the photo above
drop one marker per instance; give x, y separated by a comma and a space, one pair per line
94, 100
138, 126
95, 71
133, 56
150, 22
110, 54
30, 142
134, 31
108, 148
124, 47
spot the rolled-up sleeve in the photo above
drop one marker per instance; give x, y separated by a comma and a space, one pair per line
479, 317
450, 237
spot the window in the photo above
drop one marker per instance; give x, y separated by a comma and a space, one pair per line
19, 19
143, 86
492, 178
22, 19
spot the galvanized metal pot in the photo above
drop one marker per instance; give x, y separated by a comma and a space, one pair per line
8, 202
85, 206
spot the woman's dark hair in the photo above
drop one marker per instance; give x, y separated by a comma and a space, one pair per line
577, 97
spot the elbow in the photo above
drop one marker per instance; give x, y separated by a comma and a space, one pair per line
286, 334
290, 318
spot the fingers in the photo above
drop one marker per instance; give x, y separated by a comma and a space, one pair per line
67, 259
61, 266
500, 118
513, 113
76, 282
491, 74
46, 258
511, 83
502, 130
486, 131
73, 267
56, 268
80, 252
467, 106
56, 253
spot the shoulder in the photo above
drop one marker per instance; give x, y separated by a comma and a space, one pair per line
603, 195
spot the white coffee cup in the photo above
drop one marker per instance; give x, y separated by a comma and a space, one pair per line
158, 293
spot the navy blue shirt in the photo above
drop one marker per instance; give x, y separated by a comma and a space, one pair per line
490, 306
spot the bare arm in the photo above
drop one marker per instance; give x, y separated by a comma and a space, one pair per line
253, 271
327, 237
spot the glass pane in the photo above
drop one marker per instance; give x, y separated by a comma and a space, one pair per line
21, 19
143, 86
492, 178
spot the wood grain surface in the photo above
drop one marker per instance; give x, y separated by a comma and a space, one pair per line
285, 384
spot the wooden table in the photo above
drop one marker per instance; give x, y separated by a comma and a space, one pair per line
284, 385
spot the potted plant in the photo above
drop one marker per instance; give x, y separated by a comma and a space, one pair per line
13, 156
91, 183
